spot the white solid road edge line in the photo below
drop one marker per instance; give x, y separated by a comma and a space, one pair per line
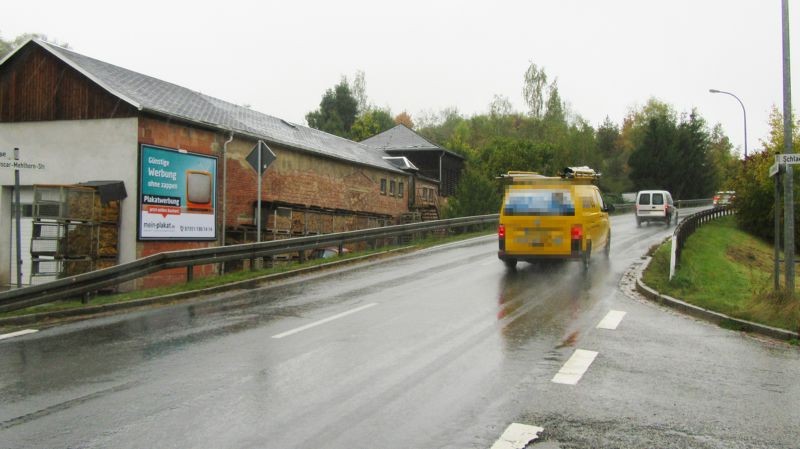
326, 320
517, 436
576, 366
611, 320
18, 333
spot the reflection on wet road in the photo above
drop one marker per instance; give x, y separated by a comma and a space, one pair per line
440, 349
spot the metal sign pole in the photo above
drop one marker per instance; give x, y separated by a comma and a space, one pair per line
776, 275
788, 192
18, 219
258, 207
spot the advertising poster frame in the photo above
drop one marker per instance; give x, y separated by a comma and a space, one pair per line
177, 195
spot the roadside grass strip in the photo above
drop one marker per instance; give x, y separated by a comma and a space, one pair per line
323, 321
611, 320
576, 366
517, 436
17, 333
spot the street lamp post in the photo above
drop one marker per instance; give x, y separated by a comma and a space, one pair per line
744, 113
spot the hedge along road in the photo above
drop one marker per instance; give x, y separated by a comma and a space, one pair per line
440, 348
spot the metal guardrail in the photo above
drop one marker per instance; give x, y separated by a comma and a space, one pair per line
687, 228
629, 207
87, 283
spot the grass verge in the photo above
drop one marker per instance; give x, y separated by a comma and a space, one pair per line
232, 277
726, 270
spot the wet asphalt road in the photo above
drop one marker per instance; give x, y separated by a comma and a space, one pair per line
439, 349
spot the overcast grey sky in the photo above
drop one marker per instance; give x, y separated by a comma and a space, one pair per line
424, 56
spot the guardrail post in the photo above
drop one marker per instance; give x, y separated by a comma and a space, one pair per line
189, 273
301, 255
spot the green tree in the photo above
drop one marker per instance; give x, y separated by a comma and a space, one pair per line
555, 111
722, 156
613, 165
535, 82
371, 122
504, 154
755, 198
755, 212
337, 111
694, 176
475, 195
653, 158
500, 106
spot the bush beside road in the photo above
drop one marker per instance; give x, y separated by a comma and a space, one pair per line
726, 270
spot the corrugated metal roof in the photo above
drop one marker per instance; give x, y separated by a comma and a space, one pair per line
153, 95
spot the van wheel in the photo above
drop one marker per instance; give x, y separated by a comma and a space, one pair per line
638, 222
511, 264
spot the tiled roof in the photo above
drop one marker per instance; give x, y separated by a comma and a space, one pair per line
400, 138
153, 95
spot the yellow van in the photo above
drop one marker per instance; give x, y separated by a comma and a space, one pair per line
553, 217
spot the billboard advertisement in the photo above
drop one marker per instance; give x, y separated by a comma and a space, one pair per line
177, 199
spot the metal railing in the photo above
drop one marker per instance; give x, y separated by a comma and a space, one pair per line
629, 207
88, 283
687, 228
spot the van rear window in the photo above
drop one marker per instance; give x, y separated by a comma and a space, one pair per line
658, 198
644, 199
539, 202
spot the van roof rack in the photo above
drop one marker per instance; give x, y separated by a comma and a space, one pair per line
513, 175
582, 172
581, 175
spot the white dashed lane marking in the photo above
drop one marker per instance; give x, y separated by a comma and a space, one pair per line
612, 320
576, 366
517, 436
17, 333
326, 320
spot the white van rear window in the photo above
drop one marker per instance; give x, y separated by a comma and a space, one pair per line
658, 198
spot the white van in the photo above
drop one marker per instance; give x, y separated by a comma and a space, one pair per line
655, 205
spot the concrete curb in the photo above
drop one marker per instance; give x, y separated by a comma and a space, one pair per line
708, 315
90, 311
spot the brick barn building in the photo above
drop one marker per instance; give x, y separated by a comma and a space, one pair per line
174, 162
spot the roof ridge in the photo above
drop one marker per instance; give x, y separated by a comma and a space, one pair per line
148, 93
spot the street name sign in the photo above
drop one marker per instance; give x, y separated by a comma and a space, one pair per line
7, 160
791, 159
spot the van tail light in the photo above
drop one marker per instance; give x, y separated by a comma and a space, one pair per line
501, 231
576, 235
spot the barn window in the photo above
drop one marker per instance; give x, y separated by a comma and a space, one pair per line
383, 186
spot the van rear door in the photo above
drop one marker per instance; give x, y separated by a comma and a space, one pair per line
537, 221
650, 204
